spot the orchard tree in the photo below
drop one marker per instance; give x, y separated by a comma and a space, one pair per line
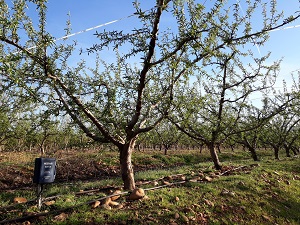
254, 129
167, 135
5, 126
290, 143
279, 130
282, 129
211, 110
249, 131
115, 102
8, 114
46, 127
250, 136
13, 117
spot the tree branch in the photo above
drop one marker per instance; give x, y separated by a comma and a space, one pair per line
147, 66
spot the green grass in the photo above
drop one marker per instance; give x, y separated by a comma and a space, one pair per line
267, 192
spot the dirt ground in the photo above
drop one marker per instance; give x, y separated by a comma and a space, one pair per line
17, 169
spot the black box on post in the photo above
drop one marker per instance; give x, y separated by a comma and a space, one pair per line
44, 170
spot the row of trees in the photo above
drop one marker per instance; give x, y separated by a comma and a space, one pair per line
197, 74
41, 135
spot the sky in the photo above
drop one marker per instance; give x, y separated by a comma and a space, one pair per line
284, 44
87, 14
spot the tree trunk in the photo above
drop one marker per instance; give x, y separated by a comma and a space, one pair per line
251, 148
276, 152
138, 147
287, 151
219, 148
214, 156
126, 165
253, 153
166, 150
295, 150
30, 147
43, 146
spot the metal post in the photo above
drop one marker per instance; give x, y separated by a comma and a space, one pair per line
39, 195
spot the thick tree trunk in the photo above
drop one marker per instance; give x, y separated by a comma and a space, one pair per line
214, 156
276, 152
126, 165
253, 153
251, 149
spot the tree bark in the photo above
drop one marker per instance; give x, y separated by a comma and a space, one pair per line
276, 152
287, 151
251, 148
126, 165
166, 151
253, 153
139, 147
295, 150
213, 153
219, 148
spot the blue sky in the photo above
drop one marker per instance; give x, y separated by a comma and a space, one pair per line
86, 14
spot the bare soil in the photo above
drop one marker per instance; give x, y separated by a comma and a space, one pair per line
17, 169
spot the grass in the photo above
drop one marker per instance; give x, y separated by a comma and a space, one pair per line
267, 192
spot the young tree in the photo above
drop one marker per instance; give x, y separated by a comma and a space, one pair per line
115, 102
